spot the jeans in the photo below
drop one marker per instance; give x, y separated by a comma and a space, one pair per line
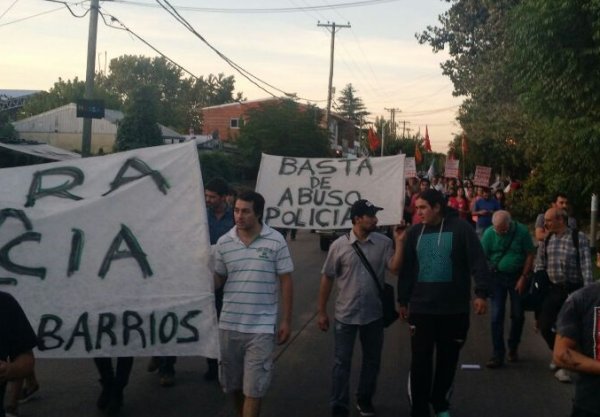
502, 288
371, 340
446, 334
118, 377
553, 301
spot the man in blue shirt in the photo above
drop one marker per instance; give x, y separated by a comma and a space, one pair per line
484, 209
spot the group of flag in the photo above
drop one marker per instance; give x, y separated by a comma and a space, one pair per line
375, 142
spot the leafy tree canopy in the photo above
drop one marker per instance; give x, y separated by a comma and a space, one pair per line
281, 128
139, 127
351, 106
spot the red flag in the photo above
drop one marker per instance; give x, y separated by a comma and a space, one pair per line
418, 156
464, 144
427, 143
374, 141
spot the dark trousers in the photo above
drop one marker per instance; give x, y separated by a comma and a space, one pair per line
504, 286
118, 377
446, 335
371, 341
553, 301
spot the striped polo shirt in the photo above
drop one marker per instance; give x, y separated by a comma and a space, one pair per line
250, 300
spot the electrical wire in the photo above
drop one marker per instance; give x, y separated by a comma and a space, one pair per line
145, 42
242, 71
9, 7
30, 17
71, 11
266, 10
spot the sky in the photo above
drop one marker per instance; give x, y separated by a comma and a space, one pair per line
278, 41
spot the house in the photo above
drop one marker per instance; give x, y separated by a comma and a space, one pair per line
223, 122
62, 128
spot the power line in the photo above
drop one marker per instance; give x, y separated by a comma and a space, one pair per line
9, 7
31, 17
242, 71
265, 10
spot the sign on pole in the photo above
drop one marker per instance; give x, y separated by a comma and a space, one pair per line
482, 176
410, 167
109, 256
451, 168
316, 193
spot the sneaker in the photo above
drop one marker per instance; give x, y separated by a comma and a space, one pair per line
552, 366
152, 364
27, 393
513, 356
442, 414
494, 363
365, 408
339, 411
563, 375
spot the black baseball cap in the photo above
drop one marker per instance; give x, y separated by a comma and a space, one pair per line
362, 207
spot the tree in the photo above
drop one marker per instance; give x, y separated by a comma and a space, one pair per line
351, 106
7, 130
216, 165
65, 92
139, 127
282, 127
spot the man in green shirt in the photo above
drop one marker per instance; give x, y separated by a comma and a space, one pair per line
509, 250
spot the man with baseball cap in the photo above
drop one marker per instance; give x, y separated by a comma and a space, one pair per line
358, 306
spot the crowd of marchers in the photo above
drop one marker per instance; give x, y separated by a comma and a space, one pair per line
458, 249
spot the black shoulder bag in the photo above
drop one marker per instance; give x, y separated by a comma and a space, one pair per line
386, 294
538, 285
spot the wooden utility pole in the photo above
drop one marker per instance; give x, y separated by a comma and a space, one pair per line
86, 138
333, 28
392, 120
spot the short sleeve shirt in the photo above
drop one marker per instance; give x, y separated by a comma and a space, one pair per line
511, 259
250, 299
579, 320
358, 300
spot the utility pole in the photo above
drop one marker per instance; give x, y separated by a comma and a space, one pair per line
392, 120
404, 123
333, 28
86, 138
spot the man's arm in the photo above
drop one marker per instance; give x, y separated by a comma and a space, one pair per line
521, 285
567, 356
219, 280
324, 292
396, 260
585, 259
287, 296
540, 230
20, 367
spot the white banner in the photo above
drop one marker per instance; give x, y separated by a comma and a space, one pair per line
451, 168
316, 193
410, 167
109, 256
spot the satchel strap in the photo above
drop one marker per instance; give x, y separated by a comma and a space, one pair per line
367, 265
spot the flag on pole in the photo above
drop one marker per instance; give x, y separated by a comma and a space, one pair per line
418, 156
463, 144
374, 141
431, 170
427, 143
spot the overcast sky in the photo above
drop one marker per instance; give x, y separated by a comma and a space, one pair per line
379, 55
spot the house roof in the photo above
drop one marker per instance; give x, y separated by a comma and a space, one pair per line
40, 150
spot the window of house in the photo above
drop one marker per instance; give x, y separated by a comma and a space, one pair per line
234, 123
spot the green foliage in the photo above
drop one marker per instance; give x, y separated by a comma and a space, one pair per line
281, 128
351, 106
65, 92
215, 165
139, 127
7, 130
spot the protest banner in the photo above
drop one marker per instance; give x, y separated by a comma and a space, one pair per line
410, 167
109, 256
451, 168
316, 193
482, 176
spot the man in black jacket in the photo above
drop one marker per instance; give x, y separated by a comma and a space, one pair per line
434, 292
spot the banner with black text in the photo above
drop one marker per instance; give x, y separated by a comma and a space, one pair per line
109, 256
316, 193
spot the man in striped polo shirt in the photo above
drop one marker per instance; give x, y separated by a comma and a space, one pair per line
252, 261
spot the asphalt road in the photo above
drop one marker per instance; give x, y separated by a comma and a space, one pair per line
301, 380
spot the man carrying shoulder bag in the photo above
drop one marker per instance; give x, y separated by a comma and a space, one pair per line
565, 256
